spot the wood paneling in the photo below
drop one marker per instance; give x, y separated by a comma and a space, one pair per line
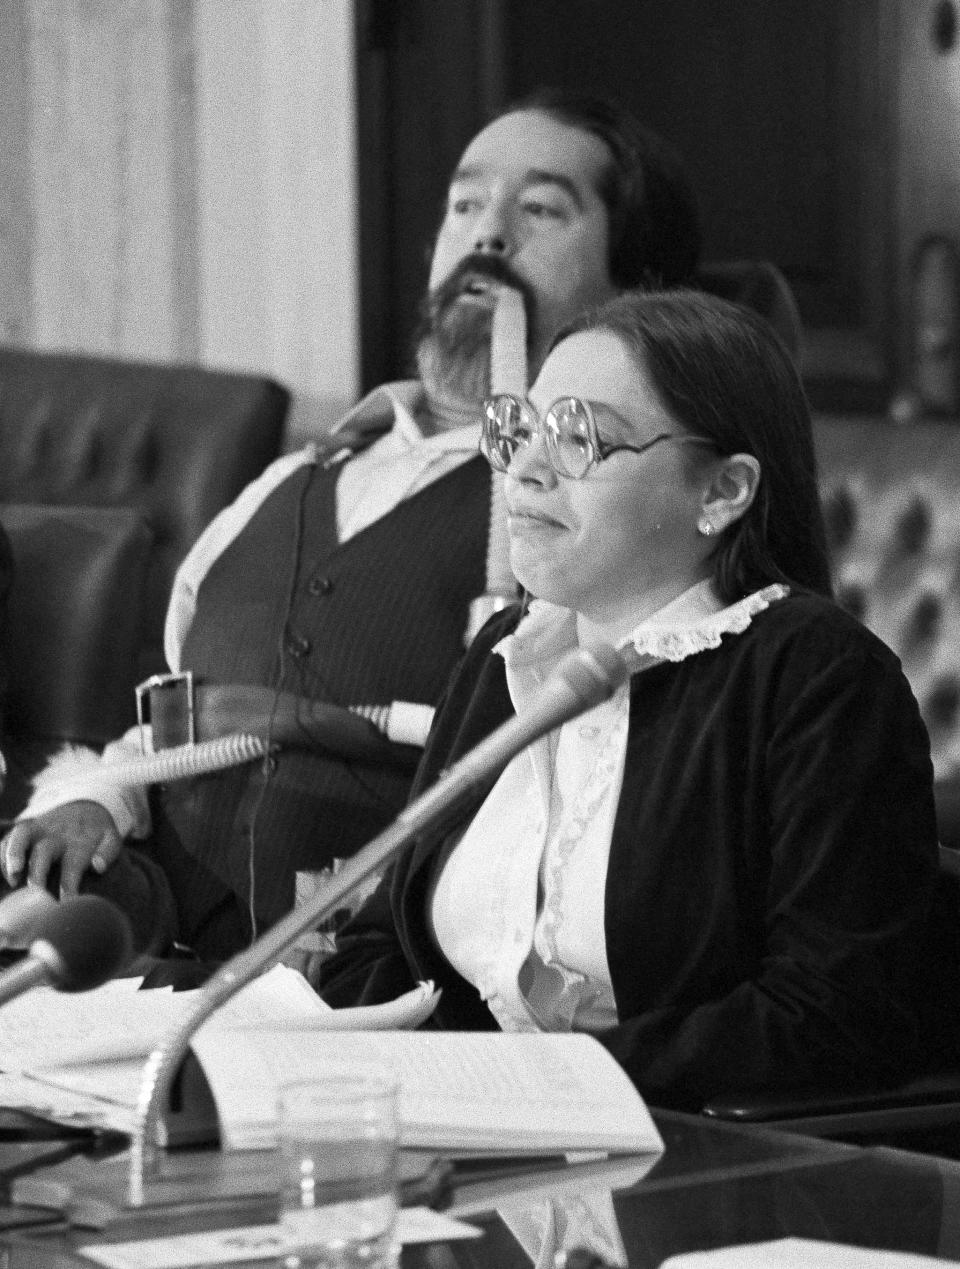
783, 113
787, 114
429, 74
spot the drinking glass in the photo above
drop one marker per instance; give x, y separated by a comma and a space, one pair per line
337, 1150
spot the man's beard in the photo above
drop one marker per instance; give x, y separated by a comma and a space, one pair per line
453, 352
453, 337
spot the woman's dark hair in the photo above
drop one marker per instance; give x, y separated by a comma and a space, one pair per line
654, 222
722, 372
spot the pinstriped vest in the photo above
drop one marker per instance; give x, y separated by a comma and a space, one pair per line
376, 619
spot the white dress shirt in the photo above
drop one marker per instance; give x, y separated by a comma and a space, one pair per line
518, 908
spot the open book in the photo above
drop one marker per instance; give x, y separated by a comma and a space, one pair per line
463, 1091
81, 1058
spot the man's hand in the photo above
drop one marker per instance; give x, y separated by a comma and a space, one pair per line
77, 835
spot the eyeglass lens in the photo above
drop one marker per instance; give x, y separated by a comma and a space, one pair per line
569, 437
566, 427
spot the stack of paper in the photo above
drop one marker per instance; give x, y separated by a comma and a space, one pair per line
79, 1058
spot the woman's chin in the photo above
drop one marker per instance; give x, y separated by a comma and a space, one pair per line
524, 566
540, 583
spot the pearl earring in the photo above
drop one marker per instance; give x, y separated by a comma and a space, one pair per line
705, 528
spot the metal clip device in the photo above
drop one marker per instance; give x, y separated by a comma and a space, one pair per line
164, 712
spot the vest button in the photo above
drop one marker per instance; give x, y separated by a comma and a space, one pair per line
298, 645
320, 586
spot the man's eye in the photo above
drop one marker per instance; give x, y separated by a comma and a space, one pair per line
464, 205
543, 211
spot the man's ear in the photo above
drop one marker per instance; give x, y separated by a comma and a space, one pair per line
731, 491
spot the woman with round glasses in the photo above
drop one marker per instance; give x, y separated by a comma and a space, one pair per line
726, 871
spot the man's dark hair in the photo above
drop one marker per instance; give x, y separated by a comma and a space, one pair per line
651, 205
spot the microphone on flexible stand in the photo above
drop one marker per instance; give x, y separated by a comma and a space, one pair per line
73, 944
78, 944
22, 913
580, 681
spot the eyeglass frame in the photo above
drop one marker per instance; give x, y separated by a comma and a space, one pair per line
598, 448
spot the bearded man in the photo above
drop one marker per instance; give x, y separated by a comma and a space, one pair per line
351, 574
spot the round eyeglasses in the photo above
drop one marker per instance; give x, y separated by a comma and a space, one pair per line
569, 431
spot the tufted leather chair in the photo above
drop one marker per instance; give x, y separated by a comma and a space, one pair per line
892, 502
757, 284
175, 442
891, 499
73, 619
72, 632
109, 470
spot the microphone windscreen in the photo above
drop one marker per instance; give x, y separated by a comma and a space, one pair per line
22, 915
91, 941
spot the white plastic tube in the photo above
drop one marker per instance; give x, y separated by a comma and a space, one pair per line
184, 761
402, 722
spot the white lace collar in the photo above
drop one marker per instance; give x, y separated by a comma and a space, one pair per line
693, 622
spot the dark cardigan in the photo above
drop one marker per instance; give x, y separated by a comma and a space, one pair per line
770, 908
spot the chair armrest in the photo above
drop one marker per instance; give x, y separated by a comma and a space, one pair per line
928, 1102
940, 1090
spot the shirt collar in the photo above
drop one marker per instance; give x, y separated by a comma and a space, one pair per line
393, 408
693, 622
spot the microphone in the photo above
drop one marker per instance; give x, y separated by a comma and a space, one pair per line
22, 913
581, 680
80, 944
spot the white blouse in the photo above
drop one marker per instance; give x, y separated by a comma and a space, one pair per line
518, 908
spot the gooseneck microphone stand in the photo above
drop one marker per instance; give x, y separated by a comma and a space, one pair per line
583, 679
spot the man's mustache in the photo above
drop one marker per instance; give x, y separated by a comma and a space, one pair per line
477, 266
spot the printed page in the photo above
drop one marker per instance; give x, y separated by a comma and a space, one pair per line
403, 1014
801, 1253
73, 1106
46, 1028
254, 1242
94, 1075
279, 996
468, 1090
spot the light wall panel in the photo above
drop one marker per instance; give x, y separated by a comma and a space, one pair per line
179, 183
